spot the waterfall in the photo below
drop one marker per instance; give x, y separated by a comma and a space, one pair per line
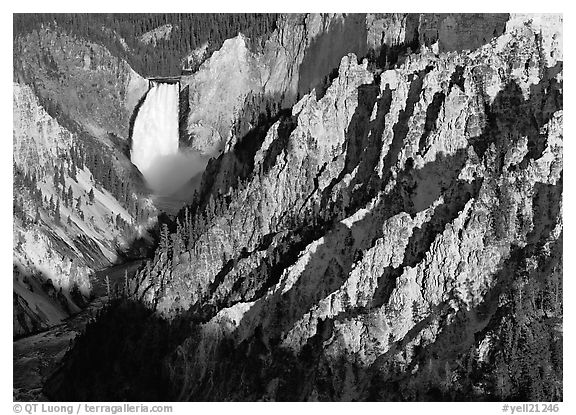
155, 135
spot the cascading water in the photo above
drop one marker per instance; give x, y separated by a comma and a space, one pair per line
169, 171
155, 135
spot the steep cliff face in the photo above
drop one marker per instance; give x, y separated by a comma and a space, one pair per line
398, 238
237, 94
454, 32
72, 103
297, 58
61, 233
417, 235
37, 137
216, 92
303, 54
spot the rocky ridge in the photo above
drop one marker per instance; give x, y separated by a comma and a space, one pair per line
217, 91
301, 54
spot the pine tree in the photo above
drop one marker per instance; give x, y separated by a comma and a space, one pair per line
91, 196
211, 208
73, 171
164, 239
57, 213
126, 283
108, 287
70, 196
61, 177
56, 178
415, 312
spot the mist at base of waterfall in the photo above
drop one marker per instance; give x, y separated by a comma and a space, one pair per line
169, 172
177, 175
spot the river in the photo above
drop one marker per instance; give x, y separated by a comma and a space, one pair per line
37, 356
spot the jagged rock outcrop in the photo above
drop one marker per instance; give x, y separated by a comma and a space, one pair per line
294, 60
425, 260
398, 238
238, 93
300, 56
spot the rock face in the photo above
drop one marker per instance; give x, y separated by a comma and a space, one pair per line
81, 79
296, 59
398, 238
455, 32
234, 90
162, 32
216, 92
37, 137
301, 55
72, 103
56, 251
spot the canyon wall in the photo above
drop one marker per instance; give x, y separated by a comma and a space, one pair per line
72, 104
398, 236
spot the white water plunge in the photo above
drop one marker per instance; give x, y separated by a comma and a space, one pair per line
155, 141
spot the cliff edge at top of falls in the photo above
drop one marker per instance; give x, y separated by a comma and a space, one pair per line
398, 238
